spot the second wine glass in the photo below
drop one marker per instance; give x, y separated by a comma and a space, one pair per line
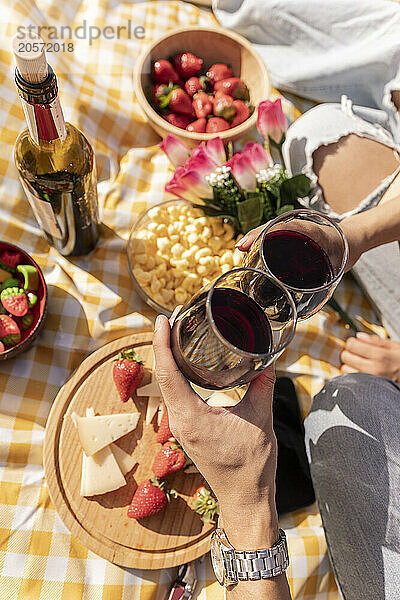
233, 329
307, 252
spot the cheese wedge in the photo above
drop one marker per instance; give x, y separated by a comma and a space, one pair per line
151, 389
96, 433
152, 407
221, 399
125, 461
202, 392
100, 473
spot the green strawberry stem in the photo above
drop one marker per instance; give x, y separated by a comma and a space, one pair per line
129, 355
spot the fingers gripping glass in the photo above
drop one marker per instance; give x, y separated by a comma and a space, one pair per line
307, 252
233, 329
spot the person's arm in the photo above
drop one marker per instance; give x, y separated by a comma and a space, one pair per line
372, 228
235, 450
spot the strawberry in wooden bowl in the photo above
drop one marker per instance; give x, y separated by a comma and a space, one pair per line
23, 300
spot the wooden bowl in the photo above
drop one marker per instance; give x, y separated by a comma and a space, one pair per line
212, 45
39, 310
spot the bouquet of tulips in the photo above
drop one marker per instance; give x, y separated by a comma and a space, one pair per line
248, 189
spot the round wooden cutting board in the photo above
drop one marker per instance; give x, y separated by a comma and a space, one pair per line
173, 537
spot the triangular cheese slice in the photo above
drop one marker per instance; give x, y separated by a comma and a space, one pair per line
96, 433
202, 392
125, 461
152, 407
100, 473
221, 399
151, 389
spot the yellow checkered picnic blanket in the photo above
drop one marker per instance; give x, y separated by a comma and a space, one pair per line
91, 302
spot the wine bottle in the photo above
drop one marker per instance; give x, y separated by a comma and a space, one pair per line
55, 161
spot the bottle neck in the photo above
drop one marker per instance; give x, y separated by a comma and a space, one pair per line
42, 109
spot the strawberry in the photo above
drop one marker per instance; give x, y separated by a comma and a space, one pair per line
187, 64
159, 89
14, 301
242, 113
27, 321
193, 85
164, 72
233, 87
202, 105
198, 126
150, 498
10, 260
219, 71
216, 124
181, 121
180, 102
9, 331
2, 347
204, 504
223, 106
170, 458
127, 373
164, 432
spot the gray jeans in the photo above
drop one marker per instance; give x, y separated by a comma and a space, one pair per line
353, 445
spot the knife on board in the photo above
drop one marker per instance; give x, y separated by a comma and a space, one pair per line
185, 584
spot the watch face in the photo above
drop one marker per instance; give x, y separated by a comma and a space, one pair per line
217, 561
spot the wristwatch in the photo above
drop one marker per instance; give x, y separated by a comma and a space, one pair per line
231, 566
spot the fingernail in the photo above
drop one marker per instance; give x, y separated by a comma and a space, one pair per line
242, 241
158, 322
363, 336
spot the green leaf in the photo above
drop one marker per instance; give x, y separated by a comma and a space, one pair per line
295, 187
284, 209
250, 211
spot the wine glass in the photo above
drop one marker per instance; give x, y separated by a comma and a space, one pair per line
307, 252
233, 329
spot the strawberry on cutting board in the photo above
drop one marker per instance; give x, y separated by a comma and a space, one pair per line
204, 504
150, 498
14, 301
164, 432
170, 459
127, 373
10, 333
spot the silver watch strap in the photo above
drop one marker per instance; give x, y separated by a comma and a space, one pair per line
244, 565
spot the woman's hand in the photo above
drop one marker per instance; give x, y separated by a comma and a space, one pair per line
371, 354
234, 448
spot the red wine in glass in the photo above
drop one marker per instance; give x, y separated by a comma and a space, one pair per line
212, 360
300, 263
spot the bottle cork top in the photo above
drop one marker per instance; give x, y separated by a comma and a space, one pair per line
30, 57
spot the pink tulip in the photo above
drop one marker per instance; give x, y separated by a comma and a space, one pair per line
216, 150
242, 171
189, 185
176, 150
271, 121
258, 157
200, 161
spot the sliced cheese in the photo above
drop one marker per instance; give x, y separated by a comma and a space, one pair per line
151, 389
100, 473
221, 399
161, 411
96, 433
125, 461
202, 392
152, 407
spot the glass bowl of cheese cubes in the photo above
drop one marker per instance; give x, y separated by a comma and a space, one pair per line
174, 250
